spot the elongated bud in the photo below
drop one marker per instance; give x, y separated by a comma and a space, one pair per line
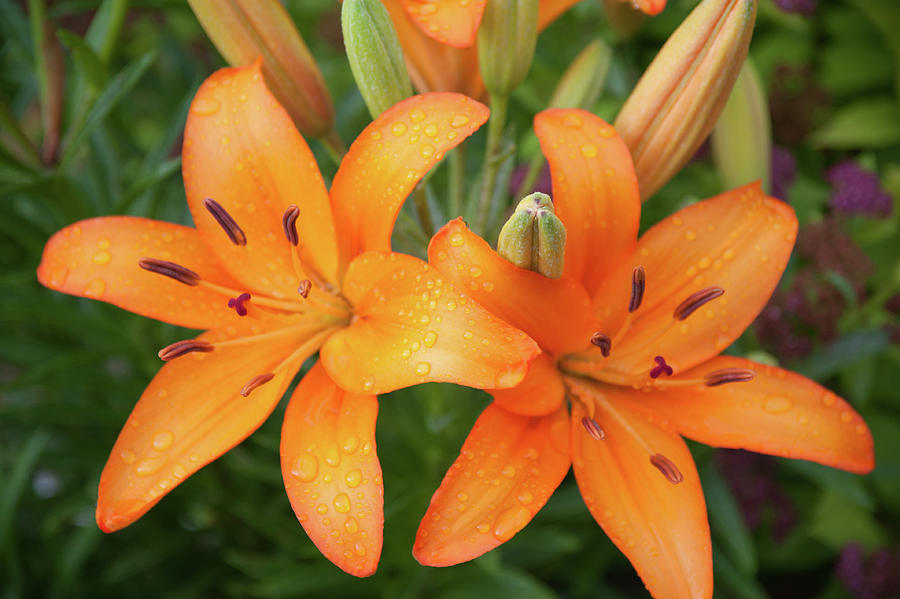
243, 30
742, 138
534, 237
676, 103
581, 84
506, 40
375, 56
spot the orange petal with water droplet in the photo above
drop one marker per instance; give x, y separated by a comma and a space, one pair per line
661, 527
433, 66
331, 471
507, 469
242, 150
650, 7
191, 413
595, 194
413, 326
739, 241
451, 22
778, 412
98, 258
541, 391
555, 312
389, 158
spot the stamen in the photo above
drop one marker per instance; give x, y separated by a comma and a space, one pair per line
231, 228
638, 283
660, 368
695, 300
180, 348
238, 303
171, 270
668, 469
593, 428
256, 382
603, 342
305, 286
729, 375
289, 224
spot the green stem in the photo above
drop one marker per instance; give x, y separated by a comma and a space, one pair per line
457, 174
15, 141
534, 169
335, 147
496, 124
420, 197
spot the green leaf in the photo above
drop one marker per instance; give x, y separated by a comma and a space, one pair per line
728, 527
734, 582
869, 123
845, 351
837, 522
86, 60
16, 479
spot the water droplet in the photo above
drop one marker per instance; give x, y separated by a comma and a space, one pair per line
846, 416
305, 468
777, 405
368, 383
467, 335
205, 106
102, 258
428, 9
829, 400
94, 289
350, 444
359, 549
457, 240
510, 522
459, 121
483, 527
690, 235
431, 131
607, 132
322, 508
398, 129
162, 440
589, 150
462, 496
332, 457
573, 120
353, 478
508, 471
475, 271
342, 503
427, 151
148, 467
351, 525
525, 497
531, 453
58, 277
127, 456
430, 339
367, 449
423, 368
417, 115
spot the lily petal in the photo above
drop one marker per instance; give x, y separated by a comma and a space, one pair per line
660, 526
541, 392
331, 471
451, 22
739, 241
433, 66
507, 470
549, 10
594, 191
412, 326
242, 150
557, 313
778, 412
98, 258
369, 189
191, 413
649, 7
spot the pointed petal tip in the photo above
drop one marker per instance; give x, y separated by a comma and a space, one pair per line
112, 516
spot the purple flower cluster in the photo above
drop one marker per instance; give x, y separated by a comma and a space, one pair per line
873, 577
797, 103
802, 7
751, 477
857, 191
784, 170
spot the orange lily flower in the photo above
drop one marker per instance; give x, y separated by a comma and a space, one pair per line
277, 268
438, 38
630, 336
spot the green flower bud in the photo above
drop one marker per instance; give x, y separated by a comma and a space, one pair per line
534, 237
581, 84
373, 50
742, 138
506, 40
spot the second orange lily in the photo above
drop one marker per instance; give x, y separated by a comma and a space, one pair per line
631, 336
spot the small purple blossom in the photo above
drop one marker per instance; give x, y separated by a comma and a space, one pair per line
801, 7
873, 577
857, 191
752, 479
784, 170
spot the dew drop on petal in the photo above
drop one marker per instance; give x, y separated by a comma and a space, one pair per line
342, 503
305, 468
459, 121
510, 522
353, 478
777, 405
162, 440
205, 106
351, 525
423, 368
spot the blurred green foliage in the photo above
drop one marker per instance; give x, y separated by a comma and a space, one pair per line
71, 369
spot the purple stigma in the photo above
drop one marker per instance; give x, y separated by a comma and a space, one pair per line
238, 304
660, 368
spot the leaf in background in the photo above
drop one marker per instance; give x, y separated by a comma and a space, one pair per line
504, 582
849, 487
732, 580
837, 522
728, 527
15, 480
869, 123
89, 65
844, 352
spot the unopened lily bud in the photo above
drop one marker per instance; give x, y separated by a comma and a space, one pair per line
244, 30
506, 40
534, 237
581, 84
742, 138
679, 98
375, 56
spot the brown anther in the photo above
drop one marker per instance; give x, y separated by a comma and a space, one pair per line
256, 382
638, 283
304, 288
289, 224
228, 224
668, 469
171, 270
695, 300
729, 375
593, 428
603, 342
179, 348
